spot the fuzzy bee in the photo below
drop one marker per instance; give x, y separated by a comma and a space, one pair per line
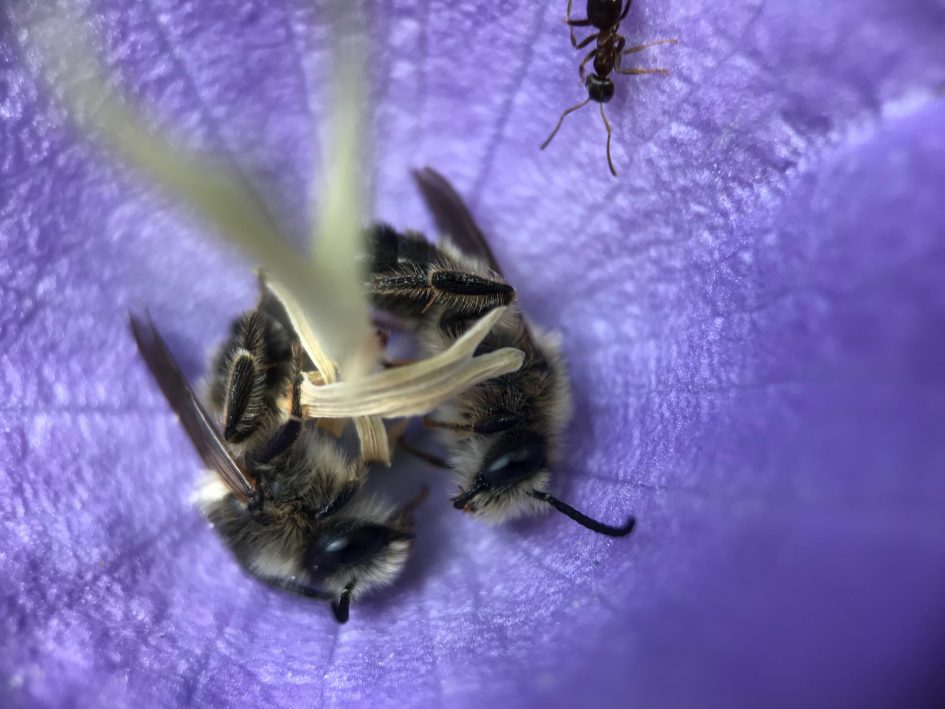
286, 500
503, 435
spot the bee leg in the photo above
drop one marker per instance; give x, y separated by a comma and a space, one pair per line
344, 496
434, 460
293, 586
415, 502
281, 441
289, 432
382, 335
447, 425
256, 502
441, 287
491, 293
496, 423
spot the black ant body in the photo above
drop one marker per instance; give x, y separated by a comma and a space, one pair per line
605, 16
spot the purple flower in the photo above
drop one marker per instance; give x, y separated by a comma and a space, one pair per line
753, 315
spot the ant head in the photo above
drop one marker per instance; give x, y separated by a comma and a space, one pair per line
604, 13
599, 89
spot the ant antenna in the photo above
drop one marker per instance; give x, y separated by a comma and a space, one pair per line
610, 162
561, 120
584, 520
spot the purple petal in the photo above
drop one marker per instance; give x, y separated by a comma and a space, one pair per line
753, 315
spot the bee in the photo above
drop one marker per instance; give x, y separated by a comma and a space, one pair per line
605, 16
287, 501
503, 435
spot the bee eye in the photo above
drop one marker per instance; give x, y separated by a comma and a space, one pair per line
335, 550
511, 464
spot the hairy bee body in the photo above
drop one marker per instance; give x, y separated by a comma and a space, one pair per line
299, 489
519, 417
286, 499
503, 435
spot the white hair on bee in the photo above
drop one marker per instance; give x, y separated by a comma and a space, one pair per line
558, 403
381, 569
208, 491
375, 573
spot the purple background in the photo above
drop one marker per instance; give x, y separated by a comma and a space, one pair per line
754, 316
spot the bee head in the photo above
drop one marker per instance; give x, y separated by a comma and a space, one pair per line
356, 556
513, 483
514, 467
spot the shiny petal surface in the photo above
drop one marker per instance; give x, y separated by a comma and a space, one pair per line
753, 315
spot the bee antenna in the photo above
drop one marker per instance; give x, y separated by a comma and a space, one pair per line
561, 120
342, 605
585, 521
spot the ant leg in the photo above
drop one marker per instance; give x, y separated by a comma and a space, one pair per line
621, 52
610, 162
584, 42
587, 40
659, 70
575, 23
641, 47
584, 62
626, 10
561, 120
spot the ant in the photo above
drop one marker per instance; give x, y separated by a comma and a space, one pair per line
605, 16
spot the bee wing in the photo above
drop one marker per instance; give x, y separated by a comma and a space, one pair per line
452, 217
192, 415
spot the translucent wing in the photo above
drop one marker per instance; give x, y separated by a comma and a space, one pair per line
192, 415
452, 217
